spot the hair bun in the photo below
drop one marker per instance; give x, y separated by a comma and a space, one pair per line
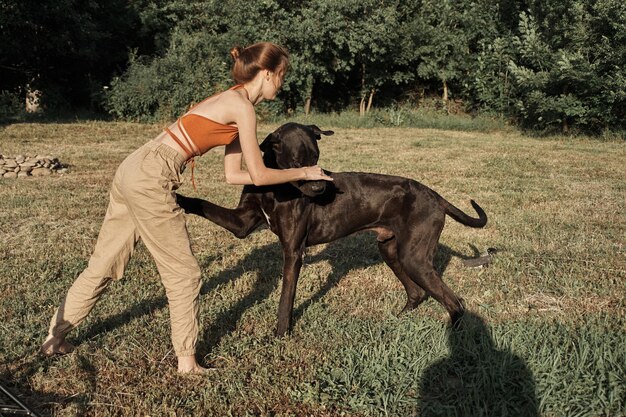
235, 52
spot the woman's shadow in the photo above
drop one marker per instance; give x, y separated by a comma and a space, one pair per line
477, 379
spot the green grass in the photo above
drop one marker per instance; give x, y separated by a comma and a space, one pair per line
546, 333
402, 116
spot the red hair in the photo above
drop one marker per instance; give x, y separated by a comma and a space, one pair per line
254, 58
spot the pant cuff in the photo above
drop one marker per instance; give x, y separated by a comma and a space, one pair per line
188, 352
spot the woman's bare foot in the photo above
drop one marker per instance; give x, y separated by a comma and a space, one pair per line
55, 346
189, 365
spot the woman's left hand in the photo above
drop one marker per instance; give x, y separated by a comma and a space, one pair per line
315, 173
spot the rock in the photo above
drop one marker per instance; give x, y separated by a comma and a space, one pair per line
40, 172
25, 165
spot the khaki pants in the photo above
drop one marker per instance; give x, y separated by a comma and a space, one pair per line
142, 205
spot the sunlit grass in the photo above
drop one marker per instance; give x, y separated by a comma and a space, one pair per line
548, 316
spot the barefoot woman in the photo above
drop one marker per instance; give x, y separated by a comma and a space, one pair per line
143, 204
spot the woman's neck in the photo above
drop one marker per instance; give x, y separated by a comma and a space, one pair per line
254, 89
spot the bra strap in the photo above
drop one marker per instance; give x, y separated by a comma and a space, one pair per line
187, 150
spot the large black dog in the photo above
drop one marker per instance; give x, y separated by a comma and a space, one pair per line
407, 217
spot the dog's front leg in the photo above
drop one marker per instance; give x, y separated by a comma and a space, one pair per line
240, 221
291, 271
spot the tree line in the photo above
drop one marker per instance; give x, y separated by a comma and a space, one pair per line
547, 65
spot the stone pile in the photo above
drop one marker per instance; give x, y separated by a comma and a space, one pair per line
26, 165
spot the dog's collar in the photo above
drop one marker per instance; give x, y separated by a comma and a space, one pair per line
267, 218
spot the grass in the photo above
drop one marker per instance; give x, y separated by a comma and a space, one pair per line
545, 334
403, 116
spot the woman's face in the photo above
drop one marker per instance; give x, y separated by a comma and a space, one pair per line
274, 81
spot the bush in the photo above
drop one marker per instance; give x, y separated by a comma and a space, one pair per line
11, 104
164, 87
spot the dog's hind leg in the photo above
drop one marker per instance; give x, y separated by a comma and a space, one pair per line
416, 259
426, 277
389, 251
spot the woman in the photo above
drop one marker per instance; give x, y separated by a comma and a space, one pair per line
143, 203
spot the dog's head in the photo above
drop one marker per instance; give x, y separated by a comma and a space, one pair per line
294, 146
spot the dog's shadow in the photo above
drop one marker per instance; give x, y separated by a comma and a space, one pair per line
344, 255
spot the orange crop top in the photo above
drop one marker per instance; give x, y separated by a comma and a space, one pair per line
203, 132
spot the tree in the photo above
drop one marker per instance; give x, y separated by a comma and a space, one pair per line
448, 35
196, 62
66, 49
569, 72
313, 56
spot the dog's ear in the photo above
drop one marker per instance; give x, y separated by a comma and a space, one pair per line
266, 145
319, 132
271, 142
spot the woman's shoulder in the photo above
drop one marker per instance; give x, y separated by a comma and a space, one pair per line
233, 95
229, 97
228, 104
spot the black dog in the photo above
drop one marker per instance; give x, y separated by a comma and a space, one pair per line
407, 216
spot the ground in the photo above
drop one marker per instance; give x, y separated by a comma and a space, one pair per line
545, 333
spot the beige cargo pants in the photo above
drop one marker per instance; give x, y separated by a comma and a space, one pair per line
142, 205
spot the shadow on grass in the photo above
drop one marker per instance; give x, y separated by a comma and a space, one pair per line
353, 252
17, 378
477, 379
267, 262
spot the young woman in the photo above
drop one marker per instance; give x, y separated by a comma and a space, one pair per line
143, 203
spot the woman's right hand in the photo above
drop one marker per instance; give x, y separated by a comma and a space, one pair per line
315, 173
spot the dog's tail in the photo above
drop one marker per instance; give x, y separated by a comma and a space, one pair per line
463, 218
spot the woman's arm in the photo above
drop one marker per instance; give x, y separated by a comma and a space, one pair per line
232, 165
248, 147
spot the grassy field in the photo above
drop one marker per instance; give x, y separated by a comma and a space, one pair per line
546, 332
